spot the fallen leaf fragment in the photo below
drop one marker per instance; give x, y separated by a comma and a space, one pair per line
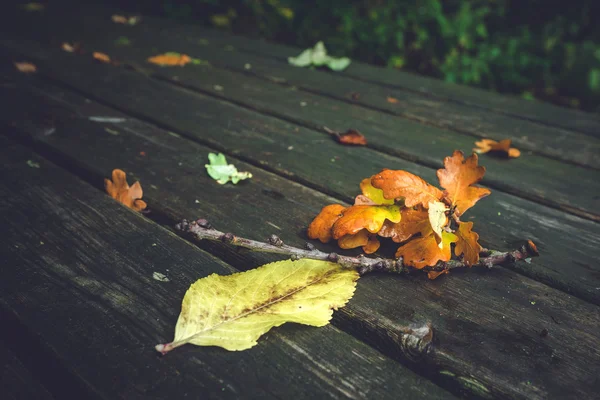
317, 56
392, 100
425, 251
25, 67
170, 59
121, 19
68, 47
118, 189
351, 137
414, 190
467, 243
101, 57
320, 227
233, 311
457, 177
219, 170
502, 147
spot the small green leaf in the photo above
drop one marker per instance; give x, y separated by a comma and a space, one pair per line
123, 41
219, 170
33, 164
317, 56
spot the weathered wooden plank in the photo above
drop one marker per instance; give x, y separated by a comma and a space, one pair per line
557, 143
16, 381
437, 90
83, 282
316, 161
533, 177
489, 325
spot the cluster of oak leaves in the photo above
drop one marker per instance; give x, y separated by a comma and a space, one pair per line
422, 218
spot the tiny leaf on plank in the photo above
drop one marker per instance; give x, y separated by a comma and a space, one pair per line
219, 170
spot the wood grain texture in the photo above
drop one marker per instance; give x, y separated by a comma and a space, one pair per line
488, 323
316, 161
537, 178
16, 381
81, 278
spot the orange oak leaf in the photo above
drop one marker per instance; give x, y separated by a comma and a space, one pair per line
101, 57
118, 189
413, 189
368, 241
457, 176
170, 59
25, 67
370, 218
320, 227
351, 137
467, 243
424, 251
370, 195
501, 147
412, 222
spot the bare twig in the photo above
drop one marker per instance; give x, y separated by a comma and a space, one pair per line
202, 229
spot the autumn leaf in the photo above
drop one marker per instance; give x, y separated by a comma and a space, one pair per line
170, 59
368, 241
119, 190
220, 171
467, 243
233, 311
351, 137
434, 274
371, 218
25, 67
412, 222
437, 219
501, 147
320, 227
392, 100
414, 190
424, 251
317, 56
371, 195
101, 57
68, 47
457, 176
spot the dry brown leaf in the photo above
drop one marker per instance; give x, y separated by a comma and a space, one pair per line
425, 251
368, 241
457, 177
412, 222
68, 47
414, 190
320, 227
118, 189
392, 100
101, 57
170, 59
502, 147
371, 218
467, 243
25, 67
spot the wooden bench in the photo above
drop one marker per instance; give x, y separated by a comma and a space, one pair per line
81, 313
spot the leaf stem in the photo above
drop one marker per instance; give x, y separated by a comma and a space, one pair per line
202, 229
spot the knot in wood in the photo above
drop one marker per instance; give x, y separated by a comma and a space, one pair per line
275, 241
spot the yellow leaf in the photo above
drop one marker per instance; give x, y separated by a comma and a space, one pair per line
437, 219
234, 311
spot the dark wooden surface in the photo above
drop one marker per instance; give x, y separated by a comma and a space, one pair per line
524, 331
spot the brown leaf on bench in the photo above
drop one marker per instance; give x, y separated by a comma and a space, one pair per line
26, 67
119, 190
502, 147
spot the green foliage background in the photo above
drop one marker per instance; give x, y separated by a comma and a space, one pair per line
547, 49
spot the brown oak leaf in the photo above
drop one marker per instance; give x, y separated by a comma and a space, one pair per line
457, 176
371, 218
368, 241
412, 222
101, 57
320, 227
414, 190
170, 59
501, 147
467, 243
118, 189
424, 251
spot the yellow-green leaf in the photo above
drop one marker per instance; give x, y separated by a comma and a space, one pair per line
234, 311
